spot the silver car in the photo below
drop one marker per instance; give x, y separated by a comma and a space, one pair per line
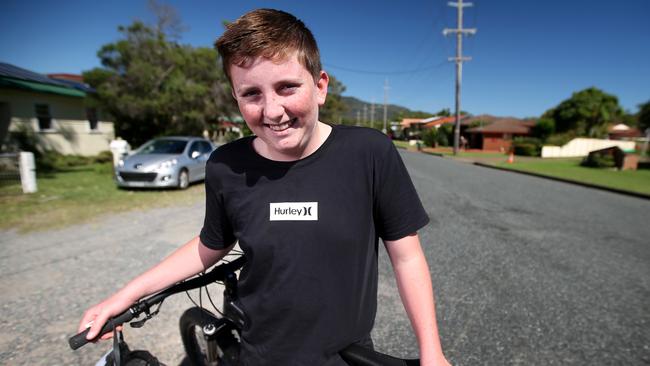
165, 162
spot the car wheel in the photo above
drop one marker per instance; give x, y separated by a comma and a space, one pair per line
183, 179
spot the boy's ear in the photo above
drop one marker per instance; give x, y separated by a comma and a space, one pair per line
321, 86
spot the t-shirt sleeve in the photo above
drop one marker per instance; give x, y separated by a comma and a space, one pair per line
397, 208
217, 232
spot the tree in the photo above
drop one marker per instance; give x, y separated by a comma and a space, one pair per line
153, 86
334, 108
586, 113
544, 128
643, 117
445, 112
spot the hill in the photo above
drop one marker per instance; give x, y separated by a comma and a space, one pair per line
393, 112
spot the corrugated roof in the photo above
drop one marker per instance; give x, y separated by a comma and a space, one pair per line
15, 76
41, 87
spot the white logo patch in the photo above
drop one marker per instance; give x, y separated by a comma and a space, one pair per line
293, 211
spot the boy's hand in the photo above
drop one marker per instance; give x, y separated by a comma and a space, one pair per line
98, 315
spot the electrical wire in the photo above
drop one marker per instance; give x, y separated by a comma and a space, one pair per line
396, 72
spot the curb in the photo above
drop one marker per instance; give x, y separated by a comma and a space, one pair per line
589, 185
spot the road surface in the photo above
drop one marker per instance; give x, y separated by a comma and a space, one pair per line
526, 272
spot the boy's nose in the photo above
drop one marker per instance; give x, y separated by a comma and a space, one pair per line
273, 109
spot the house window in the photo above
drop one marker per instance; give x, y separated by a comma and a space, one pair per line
91, 114
44, 117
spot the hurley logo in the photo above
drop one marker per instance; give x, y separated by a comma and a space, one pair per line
294, 211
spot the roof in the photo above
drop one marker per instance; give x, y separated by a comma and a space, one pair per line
505, 125
39, 87
441, 121
407, 122
14, 76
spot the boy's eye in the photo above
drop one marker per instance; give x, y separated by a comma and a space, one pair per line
249, 93
288, 87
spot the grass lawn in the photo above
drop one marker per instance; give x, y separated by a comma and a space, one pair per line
80, 195
401, 144
629, 180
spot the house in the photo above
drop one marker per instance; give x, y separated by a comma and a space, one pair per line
436, 122
495, 133
622, 131
53, 108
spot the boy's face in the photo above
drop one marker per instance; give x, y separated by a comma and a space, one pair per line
279, 101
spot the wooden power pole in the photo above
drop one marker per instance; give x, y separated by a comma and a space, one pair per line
459, 59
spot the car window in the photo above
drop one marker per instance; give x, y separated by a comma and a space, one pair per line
206, 147
195, 147
163, 147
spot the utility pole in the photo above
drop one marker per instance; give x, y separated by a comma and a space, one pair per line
384, 130
459, 59
372, 113
365, 114
358, 118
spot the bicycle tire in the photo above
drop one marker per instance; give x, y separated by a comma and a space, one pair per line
222, 349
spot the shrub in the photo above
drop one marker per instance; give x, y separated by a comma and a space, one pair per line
231, 136
103, 157
430, 137
52, 161
527, 146
599, 161
446, 135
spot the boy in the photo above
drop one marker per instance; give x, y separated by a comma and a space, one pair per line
307, 203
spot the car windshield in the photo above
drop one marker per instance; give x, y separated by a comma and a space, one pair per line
165, 146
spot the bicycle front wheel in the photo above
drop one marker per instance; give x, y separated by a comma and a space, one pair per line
208, 339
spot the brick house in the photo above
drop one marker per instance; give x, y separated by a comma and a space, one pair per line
496, 133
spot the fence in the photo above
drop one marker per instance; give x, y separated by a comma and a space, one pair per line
18, 168
9, 169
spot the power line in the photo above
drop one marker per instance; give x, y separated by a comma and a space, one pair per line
423, 69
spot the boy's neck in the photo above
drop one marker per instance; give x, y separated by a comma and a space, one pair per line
319, 135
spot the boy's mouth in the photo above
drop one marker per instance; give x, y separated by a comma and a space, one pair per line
282, 126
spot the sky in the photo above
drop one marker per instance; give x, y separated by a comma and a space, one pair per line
527, 56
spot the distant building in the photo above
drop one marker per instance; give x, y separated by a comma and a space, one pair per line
622, 131
492, 133
53, 107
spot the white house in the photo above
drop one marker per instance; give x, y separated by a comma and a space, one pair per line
54, 110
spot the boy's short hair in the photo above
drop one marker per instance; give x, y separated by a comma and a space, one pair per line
269, 33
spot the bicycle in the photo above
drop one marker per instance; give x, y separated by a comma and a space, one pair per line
209, 339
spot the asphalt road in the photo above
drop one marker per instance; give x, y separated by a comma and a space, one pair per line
526, 272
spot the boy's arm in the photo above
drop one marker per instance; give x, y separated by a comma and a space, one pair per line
414, 285
193, 257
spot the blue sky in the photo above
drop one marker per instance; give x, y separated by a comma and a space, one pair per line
527, 55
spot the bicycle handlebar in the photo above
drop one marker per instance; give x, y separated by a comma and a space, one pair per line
218, 273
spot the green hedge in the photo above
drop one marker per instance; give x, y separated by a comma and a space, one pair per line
527, 146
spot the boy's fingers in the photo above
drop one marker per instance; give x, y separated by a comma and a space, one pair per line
96, 326
86, 321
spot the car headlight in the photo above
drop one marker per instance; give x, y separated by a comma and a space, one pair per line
167, 164
121, 163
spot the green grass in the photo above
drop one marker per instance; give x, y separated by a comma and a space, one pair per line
471, 154
401, 144
80, 195
628, 180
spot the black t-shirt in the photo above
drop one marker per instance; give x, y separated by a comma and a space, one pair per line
310, 230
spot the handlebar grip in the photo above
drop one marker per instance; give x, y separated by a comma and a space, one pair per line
79, 340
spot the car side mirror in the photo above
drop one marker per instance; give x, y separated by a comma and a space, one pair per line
195, 154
